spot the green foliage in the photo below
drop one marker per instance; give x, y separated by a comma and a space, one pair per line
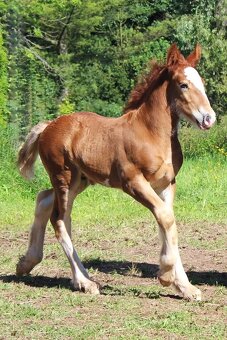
86, 55
65, 107
199, 144
3, 82
32, 91
11, 178
197, 28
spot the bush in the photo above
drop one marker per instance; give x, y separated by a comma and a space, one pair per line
11, 180
3, 82
196, 143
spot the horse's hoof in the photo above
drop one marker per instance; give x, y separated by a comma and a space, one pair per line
21, 267
88, 287
26, 264
192, 294
92, 288
189, 292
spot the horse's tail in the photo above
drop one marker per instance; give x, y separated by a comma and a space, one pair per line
29, 150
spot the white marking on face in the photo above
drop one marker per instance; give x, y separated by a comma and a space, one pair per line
193, 76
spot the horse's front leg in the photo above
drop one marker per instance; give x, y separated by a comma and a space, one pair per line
171, 270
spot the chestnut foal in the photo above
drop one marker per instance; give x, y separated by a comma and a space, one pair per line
138, 152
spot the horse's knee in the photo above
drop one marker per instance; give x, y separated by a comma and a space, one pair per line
43, 194
44, 201
165, 217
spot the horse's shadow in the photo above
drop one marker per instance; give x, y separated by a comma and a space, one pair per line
148, 270
125, 268
38, 281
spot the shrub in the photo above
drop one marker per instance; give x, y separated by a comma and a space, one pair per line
11, 180
196, 143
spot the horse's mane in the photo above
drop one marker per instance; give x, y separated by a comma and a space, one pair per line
147, 83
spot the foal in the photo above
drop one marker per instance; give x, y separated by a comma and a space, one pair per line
138, 152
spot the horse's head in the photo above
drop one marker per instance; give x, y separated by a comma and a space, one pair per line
186, 92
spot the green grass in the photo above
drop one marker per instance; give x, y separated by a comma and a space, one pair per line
201, 190
58, 313
197, 144
201, 195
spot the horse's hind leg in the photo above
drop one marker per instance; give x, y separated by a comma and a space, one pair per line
60, 219
34, 254
75, 189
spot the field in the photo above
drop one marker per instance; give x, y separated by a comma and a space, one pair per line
58, 57
117, 241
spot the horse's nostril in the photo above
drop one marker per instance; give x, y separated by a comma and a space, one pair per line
207, 119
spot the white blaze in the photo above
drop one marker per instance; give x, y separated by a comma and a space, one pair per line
193, 76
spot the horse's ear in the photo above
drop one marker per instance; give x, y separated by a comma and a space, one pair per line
195, 56
174, 56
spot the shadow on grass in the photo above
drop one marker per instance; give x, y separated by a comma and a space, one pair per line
146, 270
211, 278
38, 281
137, 291
41, 281
126, 268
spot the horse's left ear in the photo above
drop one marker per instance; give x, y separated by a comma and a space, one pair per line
174, 56
195, 56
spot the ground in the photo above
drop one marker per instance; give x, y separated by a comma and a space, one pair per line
132, 304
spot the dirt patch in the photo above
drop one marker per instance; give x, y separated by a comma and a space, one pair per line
139, 254
126, 267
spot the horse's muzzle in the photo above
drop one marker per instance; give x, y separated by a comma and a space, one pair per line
207, 122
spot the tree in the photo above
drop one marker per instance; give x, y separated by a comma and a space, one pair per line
86, 55
3, 82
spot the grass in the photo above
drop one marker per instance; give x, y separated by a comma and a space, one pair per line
200, 196
117, 240
200, 190
121, 236
57, 313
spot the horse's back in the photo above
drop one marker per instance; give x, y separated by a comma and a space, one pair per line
85, 140
66, 128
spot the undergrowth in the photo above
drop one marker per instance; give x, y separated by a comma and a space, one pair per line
196, 144
201, 183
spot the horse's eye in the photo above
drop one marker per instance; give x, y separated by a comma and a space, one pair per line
183, 86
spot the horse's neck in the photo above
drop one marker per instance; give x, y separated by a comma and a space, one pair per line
156, 116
